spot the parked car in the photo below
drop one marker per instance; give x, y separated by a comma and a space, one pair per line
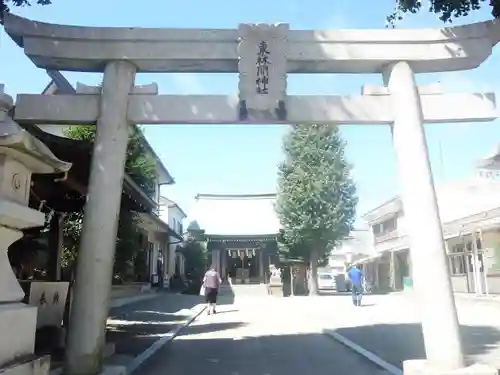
326, 282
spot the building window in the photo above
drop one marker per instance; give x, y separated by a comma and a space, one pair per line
389, 225
177, 226
458, 248
385, 227
457, 264
377, 229
457, 260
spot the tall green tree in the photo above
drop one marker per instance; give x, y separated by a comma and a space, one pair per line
142, 169
196, 259
316, 200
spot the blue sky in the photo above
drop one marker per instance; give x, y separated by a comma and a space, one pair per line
243, 159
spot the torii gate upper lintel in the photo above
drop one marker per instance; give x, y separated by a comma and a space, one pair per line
156, 50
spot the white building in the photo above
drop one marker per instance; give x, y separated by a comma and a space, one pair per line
172, 213
470, 216
358, 245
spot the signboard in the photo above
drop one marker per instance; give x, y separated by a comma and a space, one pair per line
50, 298
262, 67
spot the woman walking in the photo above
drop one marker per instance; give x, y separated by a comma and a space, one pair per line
211, 282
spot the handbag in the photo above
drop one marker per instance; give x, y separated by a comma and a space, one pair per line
202, 290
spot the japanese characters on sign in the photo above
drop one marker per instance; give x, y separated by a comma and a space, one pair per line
262, 66
50, 298
43, 298
262, 80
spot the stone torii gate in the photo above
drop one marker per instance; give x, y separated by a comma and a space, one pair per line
263, 55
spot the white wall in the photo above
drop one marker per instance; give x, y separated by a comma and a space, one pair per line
360, 242
401, 224
173, 216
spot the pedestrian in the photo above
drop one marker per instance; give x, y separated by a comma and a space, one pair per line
356, 278
211, 282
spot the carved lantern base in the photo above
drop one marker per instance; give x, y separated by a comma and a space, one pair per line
20, 155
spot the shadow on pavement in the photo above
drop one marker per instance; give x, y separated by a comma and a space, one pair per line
161, 302
396, 343
155, 316
132, 338
312, 354
135, 327
210, 327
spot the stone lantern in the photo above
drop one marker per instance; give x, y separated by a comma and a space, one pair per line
21, 154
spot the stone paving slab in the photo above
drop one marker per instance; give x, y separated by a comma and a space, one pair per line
255, 337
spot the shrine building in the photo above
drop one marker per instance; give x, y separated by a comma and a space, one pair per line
241, 233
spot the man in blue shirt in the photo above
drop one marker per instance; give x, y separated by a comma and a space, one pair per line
355, 276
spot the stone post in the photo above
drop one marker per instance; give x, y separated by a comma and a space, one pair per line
223, 273
428, 257
261, 266
20, 155
92, 288
392, 271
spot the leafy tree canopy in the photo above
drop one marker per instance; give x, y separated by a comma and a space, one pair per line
142, 169
316, 201
196, 259
140, 166
4, 4
445, 9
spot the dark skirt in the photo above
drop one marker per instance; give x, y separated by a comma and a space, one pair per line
211, 295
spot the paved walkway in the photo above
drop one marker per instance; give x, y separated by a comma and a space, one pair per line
389, 326
133, 328
257, 336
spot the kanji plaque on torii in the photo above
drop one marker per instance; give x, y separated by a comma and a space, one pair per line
262, 50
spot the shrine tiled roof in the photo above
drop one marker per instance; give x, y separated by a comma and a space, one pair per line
235, 215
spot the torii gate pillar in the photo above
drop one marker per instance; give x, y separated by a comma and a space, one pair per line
89, 312
428, 256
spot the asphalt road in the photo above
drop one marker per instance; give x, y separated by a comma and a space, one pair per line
254, 338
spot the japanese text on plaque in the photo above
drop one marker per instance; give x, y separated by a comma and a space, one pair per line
263, 63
